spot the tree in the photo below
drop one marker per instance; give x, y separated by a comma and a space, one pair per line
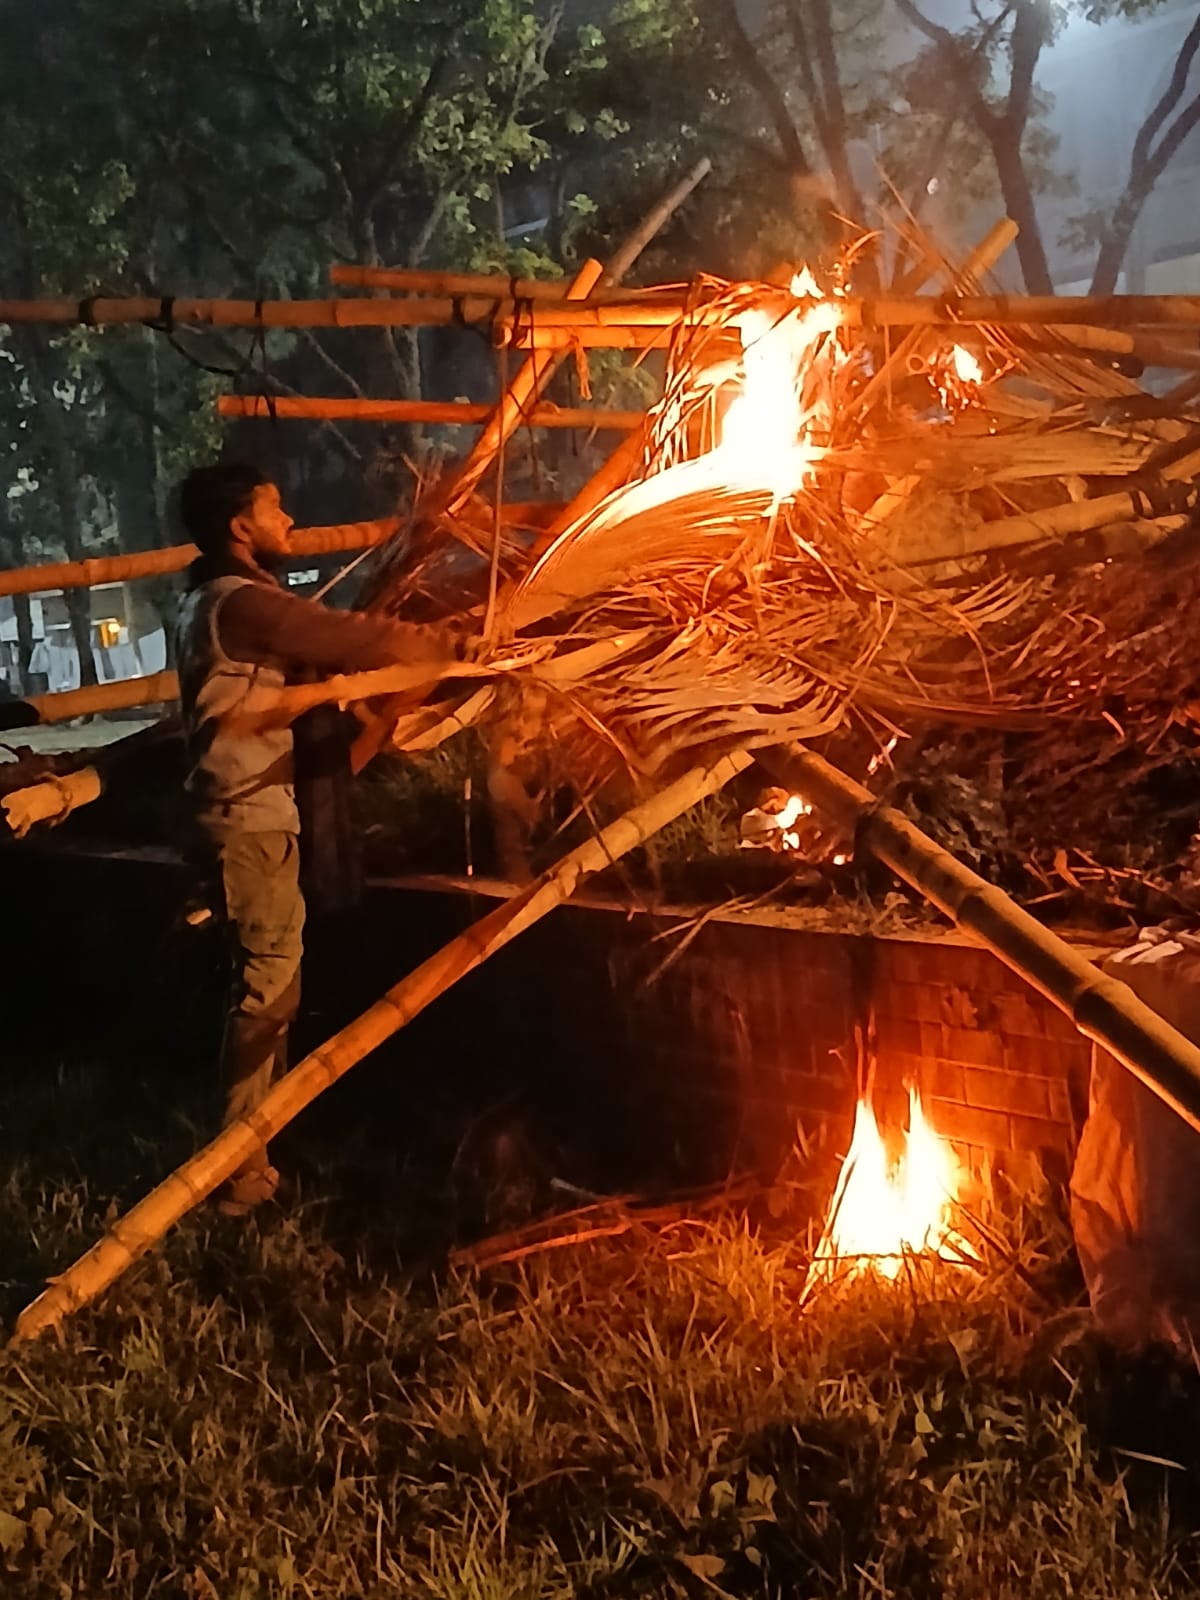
991, 67
1162, 133
307, 131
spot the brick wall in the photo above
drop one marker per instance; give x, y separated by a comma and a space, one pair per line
751, 1023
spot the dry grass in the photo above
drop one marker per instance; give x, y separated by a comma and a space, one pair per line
267, 1411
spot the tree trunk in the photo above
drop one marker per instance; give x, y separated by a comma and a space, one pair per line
64, 471
1019, 205
79, 615
24, 617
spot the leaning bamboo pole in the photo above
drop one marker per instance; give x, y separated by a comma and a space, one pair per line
1102, 1008
455, 413
178, 557
516, 401
142, 1227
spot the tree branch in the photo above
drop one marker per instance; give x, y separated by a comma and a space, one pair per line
754, 70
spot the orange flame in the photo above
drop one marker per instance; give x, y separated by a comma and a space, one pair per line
766, 433
883, 1211
957, 375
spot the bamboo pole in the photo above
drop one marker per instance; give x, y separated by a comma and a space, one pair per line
499, 286
51, 800
176, 558
402, 280
374, 311
652, 313
1174, 493
534, 372
982, 258
53, 797
503, 420
268, 707
142, 1227
904, 311
1102, 1008
453, 412
154, 689
1115, 341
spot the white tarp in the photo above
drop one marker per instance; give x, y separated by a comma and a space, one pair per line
1135, 1189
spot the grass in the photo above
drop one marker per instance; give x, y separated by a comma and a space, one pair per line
286, 1408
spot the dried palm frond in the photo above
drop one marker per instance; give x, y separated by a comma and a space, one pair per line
850, 549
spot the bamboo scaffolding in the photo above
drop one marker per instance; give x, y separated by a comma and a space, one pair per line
288, 408
143, 1226
178, 557
1102, 1008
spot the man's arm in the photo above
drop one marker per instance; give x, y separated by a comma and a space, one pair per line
18, 714
264, 624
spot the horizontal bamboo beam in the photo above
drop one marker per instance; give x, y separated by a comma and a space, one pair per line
375, 311
142, 1227
153, 689
401, 280
453, 412
898, 311
1102, 1008
305, 542
511, 318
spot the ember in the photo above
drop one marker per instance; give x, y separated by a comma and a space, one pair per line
883, 1210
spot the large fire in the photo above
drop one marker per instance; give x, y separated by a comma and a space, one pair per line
884, 1210
767, 433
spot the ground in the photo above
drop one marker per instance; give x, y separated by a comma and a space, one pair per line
318, 1404
314, 1404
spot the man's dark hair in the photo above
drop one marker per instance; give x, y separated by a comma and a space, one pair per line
210, 498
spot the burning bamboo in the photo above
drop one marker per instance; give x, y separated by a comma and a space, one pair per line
142, 1227
1102, 1008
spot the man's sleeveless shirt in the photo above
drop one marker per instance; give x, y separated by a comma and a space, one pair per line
239, 781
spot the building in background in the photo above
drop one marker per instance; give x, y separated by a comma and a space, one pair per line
128, 640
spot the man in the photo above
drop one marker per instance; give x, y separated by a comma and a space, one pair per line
239, 628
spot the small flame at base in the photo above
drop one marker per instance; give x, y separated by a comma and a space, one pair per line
883, 1211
